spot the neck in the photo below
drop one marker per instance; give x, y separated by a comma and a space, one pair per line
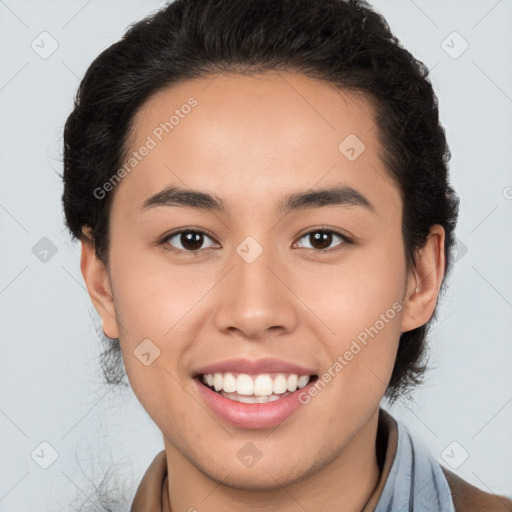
345, 483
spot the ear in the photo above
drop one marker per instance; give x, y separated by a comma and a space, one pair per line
97, 281
424, 281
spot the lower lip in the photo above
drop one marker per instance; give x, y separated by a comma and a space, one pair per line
252, 416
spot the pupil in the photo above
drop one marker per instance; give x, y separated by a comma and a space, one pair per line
192, 241
322, 237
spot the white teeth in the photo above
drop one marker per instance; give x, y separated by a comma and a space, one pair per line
217, 381
248, 399
252, 399
302, 381
292, 382
229, 383
244, 385
280, 384
263, 386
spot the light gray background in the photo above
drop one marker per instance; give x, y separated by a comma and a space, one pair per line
51, 383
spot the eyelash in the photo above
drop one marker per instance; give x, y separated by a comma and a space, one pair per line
165, 241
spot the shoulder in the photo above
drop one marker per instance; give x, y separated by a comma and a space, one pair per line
421, 480
468, 498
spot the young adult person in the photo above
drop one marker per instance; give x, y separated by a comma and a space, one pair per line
261, 193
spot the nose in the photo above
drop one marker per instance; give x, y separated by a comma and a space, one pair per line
256, 300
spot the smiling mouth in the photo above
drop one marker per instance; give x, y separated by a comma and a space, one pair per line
254, 389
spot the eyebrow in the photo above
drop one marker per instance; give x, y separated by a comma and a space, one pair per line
340, 195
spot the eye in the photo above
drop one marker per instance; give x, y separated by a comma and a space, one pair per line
192, 240
189, 240
321, 239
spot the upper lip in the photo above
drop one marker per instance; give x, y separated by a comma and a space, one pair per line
254, 366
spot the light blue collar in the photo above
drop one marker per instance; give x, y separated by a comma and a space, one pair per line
416, 482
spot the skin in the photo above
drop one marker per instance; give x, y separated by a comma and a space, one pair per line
251, 141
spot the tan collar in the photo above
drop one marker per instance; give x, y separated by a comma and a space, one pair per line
153, 491
387, 442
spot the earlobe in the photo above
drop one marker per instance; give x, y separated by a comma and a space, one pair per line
424, 281
97, 281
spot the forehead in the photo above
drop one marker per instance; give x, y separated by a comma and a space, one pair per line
255, 138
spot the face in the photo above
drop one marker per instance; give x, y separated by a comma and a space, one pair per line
289, 259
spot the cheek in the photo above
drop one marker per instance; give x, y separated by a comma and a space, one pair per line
360, 306
153, 297
151, 307
352, 295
